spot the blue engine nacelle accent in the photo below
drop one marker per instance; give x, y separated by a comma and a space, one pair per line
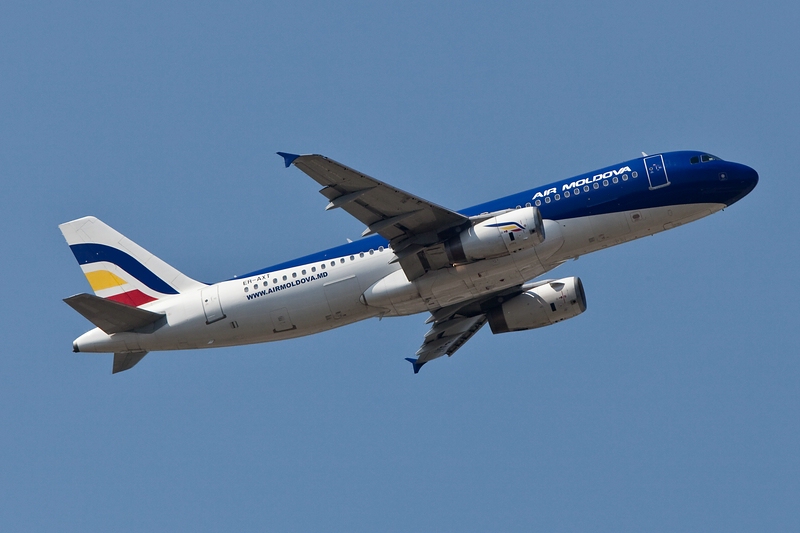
504, 234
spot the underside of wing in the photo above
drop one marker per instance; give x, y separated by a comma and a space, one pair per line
454, 325
408, 222
446, 337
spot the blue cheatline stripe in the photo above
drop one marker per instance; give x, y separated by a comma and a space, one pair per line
94, 253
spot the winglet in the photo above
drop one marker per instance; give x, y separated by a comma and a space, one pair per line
416, 365
288, 159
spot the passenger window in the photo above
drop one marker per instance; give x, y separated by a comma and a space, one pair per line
615, 180
313, 269
528, 204
596, 185
605, 183
294, 274
547, 199
566, 194
284, 278
255, 286
558, 196
585, 188
538, 203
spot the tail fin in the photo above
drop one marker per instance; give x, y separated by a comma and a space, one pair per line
119, 269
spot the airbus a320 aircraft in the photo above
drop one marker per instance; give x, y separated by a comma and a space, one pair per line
464, 268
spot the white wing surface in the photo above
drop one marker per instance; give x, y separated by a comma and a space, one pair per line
408, 222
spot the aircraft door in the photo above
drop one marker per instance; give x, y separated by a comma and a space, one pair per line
212, 307
656, 171
343, 297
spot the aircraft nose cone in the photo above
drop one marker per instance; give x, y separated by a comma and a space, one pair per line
749, 177
742, 179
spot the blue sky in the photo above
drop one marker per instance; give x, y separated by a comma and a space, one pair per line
671, 404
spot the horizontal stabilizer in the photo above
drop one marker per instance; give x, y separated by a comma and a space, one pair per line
111, 316
126, 361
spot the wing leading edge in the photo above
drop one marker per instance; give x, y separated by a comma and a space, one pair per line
408, 222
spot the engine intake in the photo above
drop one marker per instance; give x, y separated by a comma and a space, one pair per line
538, 307
504, 234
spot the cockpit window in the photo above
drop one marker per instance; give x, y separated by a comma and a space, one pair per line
705, 158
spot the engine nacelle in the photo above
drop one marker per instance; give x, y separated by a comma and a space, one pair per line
538, 307
501, 235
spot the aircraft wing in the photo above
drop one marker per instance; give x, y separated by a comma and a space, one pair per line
454, 325
446, 337
408, 222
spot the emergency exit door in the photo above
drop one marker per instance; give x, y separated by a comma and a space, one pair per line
656, 171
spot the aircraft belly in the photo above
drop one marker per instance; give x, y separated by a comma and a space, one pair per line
588, 234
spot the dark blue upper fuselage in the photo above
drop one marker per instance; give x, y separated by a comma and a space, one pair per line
659, 180
712, 181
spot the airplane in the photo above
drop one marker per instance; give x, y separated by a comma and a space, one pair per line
464, 268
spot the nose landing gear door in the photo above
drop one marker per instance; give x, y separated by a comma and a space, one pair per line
211, 304
656, 171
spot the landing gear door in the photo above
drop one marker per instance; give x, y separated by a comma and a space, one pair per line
212, 307
656, 171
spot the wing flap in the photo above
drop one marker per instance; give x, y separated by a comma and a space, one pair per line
446, 337
111, 316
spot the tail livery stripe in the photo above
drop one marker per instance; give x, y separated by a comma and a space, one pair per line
103, 279
134, 298
93, 253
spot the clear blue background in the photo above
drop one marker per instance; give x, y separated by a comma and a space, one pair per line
672, 404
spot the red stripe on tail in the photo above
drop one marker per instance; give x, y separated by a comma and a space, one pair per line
134, 298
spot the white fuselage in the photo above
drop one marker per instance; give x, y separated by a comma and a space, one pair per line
326, 294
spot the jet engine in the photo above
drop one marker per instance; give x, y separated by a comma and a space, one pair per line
504, 234
541, 306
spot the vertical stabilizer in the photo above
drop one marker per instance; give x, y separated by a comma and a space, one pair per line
117, 268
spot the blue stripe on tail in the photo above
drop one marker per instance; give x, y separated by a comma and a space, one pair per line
93, 253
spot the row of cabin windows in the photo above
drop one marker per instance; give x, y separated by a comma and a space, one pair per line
322, 266
586, 188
